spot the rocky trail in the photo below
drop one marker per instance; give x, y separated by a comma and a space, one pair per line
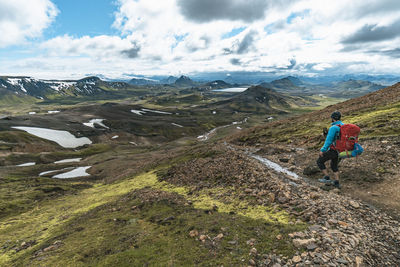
342, 231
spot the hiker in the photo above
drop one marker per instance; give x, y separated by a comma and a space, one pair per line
328, 152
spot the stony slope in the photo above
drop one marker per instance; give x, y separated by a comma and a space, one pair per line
342, 231
373, 177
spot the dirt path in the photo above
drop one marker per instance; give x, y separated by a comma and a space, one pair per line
374, 177
342, 231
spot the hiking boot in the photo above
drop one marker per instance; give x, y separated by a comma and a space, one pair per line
336, 184
325, 180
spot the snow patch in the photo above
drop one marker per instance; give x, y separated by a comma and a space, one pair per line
32, 113
138, 112
57, 86
99, 122
177, 125
145, 110
17, 82
231, 90
27, 164
78, 172
68, 160
156, 111
14, 81
53, 171
115, 137
53, 111
63, 138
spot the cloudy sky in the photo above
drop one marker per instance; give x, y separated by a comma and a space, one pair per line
116, 38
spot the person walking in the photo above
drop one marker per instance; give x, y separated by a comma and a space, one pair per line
328, 152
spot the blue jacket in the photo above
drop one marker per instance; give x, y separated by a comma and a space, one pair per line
332, 136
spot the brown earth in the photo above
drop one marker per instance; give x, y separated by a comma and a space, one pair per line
343, 231
373, 177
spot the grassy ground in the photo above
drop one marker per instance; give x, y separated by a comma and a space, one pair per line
129, 222
119, 218
21, 189
377, 121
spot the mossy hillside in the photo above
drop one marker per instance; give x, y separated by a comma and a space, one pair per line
49, 219
49, 157
380, 121
8, 100
152, 227
18, 194
21, 188
180, 100
15, 137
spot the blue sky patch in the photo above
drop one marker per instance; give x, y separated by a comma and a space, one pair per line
233, 32
79, 18
300, 14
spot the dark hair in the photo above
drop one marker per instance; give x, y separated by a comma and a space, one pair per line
336, 115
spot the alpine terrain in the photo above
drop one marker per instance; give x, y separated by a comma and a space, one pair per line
185, 174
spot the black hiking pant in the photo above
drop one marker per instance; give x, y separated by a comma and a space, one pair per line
331, 155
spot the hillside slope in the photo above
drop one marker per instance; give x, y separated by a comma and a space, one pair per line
259, 100
380, 106
341, 89
374, 176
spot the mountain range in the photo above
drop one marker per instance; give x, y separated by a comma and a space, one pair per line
341, 89
22, 88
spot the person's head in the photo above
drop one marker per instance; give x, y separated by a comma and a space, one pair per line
335, 116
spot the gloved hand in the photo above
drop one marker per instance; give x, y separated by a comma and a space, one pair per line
325, 132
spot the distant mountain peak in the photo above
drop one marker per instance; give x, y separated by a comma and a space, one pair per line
184, 81
218, 83
143, 81
90, 79
257, 90
184, 78
169, 80
296, 81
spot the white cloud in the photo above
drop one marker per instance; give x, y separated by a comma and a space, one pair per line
157, 37
23, 19
98, 47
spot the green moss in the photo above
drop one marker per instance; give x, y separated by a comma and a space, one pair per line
380, 169
18, 137
91, 150
380, 121
13, 100
99, 243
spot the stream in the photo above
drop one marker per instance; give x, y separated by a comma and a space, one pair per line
291, 177
206, 136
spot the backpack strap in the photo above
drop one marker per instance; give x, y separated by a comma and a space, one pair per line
337, 138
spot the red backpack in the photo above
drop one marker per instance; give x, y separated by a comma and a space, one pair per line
348, 136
